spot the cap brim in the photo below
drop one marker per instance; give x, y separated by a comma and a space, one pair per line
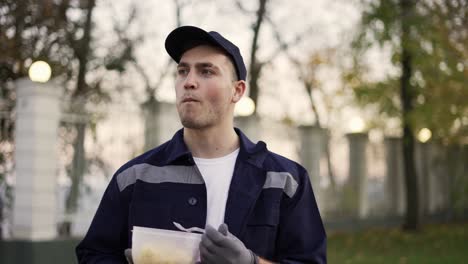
183, 38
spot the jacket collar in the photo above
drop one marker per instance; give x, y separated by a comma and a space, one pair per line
176, 149
246, 184
250, 152
247, 181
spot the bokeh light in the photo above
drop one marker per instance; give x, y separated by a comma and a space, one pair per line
245, 107
424, 135
40, 71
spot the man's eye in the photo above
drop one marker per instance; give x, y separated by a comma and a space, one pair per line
182, 71
207, 72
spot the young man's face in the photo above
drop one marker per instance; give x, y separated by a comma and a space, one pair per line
205, 88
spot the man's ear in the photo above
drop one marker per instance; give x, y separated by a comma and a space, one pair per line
238, 91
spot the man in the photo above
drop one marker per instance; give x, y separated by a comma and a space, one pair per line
256, 206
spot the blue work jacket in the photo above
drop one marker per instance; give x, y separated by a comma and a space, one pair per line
271, 207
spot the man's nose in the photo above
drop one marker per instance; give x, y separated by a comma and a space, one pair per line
190, 81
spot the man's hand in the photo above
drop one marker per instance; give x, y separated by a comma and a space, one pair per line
128, 255
221, 247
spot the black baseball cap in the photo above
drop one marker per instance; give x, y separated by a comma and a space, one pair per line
184, 38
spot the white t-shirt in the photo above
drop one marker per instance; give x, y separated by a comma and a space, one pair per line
217, 174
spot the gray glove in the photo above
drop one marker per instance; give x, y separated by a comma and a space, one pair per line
128, 255
221, 247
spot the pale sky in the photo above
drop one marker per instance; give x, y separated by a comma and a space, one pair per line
325, 21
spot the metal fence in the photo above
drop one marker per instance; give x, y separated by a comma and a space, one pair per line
116, 133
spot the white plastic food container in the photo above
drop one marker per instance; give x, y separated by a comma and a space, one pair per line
154, 246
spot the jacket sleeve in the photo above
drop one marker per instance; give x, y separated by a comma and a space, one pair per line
107, 237
301, 236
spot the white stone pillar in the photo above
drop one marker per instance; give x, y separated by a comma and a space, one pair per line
161, 121
394, 177
312, 140
250, 126
438, 178
37, 120
311, 150
151, 125
355, 190
168, 121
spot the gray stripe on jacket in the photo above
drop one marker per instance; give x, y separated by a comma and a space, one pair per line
281, 180
154, 174
189, 175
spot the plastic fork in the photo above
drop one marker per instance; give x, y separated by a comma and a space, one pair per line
189, 230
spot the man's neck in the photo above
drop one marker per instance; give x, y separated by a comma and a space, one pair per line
211, 142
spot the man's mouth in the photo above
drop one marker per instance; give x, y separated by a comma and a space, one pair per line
188, 100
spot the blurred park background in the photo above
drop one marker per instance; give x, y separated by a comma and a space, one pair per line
370, 96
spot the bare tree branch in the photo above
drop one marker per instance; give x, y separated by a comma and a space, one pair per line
255, 65
283, 45
145, 76
308, 82
242, 8
179, 6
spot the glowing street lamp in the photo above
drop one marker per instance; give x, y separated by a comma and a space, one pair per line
245, 107
424, 135
40, 71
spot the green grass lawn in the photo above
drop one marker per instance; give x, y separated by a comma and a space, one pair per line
433, 244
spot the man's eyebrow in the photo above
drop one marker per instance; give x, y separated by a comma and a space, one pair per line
206, 65
199, 65
183, 64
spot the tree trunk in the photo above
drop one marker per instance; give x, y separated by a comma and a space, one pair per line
78, 168
1, 211
412, 217
255, 65
78, 162
18, 42
331, 175
82, 53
